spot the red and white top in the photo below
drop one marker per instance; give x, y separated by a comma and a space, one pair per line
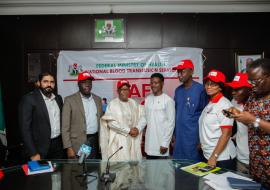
210, 123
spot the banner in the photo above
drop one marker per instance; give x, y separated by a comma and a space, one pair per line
137, 66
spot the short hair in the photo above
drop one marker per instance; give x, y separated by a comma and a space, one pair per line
263, 63
41, 75
158, 75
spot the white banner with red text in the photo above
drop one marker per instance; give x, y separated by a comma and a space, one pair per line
136, 66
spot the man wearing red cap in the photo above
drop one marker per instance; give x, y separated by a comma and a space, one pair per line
81, 115
190, 99
119, 126
240, 92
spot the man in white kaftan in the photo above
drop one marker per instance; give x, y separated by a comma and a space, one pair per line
118, 127
159, 118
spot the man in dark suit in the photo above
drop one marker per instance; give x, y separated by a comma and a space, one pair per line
40, 121
81, 115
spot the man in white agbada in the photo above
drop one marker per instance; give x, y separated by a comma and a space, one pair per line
159, 118
118, 126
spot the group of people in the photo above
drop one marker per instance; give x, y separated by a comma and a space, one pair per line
197, 123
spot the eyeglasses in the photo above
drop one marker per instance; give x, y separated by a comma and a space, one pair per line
258, 81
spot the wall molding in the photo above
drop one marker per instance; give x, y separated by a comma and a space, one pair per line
45, 7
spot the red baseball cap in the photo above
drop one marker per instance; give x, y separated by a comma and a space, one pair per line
121, 83
84, 76
184, 64
215, 76
240, 80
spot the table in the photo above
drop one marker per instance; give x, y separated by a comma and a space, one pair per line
146, 174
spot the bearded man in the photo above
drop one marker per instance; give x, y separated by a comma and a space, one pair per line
39, 121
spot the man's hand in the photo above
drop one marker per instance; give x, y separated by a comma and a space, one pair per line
230, 112
212, 161
71, 153
163, 150
234, 111
134, 132
35, 157
244, 117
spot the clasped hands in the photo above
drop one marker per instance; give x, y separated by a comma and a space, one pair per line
134, 132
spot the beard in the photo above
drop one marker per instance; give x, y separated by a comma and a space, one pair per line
86, 93
47, 91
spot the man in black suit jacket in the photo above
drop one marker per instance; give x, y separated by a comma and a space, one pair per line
40, 121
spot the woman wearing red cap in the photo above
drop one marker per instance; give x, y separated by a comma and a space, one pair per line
240, 92
214, 128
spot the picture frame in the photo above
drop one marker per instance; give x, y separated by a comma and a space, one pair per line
243, 58
109, 30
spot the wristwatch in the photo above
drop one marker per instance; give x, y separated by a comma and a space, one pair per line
256, 123
216, 155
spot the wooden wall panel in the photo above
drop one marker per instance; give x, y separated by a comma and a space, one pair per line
180, 30
144, 31
75, 32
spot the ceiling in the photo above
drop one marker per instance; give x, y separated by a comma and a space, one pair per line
42, 7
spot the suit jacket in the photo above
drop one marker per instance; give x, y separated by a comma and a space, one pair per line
35, 124
74, 122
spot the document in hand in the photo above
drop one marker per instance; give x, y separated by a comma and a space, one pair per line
200, 169
237, 183
34, 168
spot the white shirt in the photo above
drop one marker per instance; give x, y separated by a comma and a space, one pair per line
90, 111
160, 121
54, 115
242, 150
210, 123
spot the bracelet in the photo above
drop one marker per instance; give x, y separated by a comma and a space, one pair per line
256, 123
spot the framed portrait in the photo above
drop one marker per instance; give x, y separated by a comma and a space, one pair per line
243, 59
